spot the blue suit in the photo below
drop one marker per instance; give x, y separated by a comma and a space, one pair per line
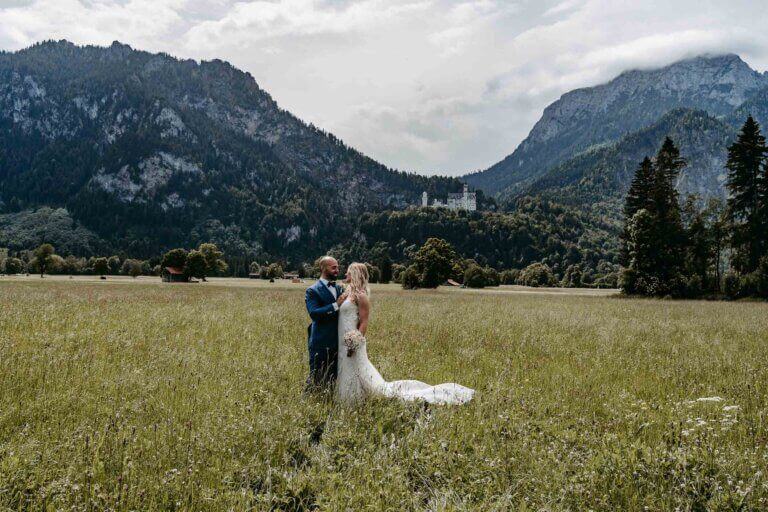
322, 334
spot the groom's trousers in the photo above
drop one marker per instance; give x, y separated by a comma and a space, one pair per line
322, 364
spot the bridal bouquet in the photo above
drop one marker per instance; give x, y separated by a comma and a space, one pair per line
353, 340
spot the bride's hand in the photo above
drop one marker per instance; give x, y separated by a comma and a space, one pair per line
342, 298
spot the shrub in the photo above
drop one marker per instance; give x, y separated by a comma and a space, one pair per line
196, 265
537, 274
573, 277
492, 277
397, 272
100, 266
374, 274
275, 271
114, 265
14, 266
410, 278
509, 276
475, 277
132, 268
74, 265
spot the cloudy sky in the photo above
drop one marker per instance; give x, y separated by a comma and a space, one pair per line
433, 86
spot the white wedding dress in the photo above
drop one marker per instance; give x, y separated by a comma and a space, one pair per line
358, 378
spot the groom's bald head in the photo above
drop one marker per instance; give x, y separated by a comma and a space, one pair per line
329, 267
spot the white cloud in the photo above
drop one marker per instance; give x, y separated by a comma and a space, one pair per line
426, 85
562, 7
95, 22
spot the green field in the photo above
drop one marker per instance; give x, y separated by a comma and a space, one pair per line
143, 396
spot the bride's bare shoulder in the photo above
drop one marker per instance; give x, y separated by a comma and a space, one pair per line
362, 300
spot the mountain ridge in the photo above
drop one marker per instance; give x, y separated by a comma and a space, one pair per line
602, 114
149, 151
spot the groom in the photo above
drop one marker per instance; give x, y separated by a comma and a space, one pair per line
323, 300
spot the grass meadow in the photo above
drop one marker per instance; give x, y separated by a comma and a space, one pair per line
123, 395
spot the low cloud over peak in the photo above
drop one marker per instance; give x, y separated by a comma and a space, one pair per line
427, 85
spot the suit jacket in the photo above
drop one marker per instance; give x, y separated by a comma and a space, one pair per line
324, 330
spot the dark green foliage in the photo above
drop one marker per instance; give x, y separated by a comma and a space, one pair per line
654, 236
410, 278
633, 103
274, 271
43, 256
374, 273
196, 266
665, 208
385, 265
101, 266
133, 268
434, 262
492, 277
573, 277
638, 198
146, 152
475, 277
510, 276
74, 265
27, 229
13, 266
596, 180
176, 258
114, 264
679, 251
704, 233
748, 199
537, 274
214, 259
536, 231
397, 272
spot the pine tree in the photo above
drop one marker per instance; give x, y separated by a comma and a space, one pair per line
700, 257
638, 197
654, 238
665, 212
748, 201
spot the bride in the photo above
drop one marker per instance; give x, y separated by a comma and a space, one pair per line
357, 377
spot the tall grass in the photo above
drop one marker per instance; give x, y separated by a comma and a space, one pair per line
189, 397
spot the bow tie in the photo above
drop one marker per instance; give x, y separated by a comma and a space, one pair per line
331, 284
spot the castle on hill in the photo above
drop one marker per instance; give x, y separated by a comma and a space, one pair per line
465, 200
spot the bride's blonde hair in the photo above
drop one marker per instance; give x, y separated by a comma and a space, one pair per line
358, 280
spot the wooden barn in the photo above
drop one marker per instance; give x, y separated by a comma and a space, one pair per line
173, 275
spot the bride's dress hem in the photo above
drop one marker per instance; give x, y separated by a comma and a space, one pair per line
358, 378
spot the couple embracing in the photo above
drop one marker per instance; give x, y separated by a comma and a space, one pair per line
338, 347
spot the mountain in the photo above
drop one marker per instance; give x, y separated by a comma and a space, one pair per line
145, 152
584, 120
597, 179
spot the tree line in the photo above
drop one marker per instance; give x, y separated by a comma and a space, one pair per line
693, 248
206, 260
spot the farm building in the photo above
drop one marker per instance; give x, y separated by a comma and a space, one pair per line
173, 275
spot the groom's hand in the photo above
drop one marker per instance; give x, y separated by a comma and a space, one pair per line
342, 298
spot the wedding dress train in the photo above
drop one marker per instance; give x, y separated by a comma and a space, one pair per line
358, 378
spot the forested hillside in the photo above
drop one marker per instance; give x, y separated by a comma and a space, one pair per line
147, 152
